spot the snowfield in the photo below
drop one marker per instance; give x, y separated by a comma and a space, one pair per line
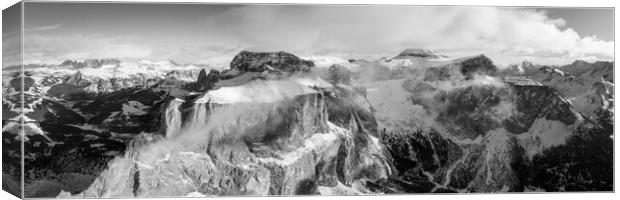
263, 91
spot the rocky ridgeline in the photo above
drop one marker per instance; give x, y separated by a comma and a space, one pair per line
463, 68
261, 61
205, 81
425, 66
247, 66
78, 87
587, 85
578, 68
89, 63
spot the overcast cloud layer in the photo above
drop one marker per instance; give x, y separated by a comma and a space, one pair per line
507, 35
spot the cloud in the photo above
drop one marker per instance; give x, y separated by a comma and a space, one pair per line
45, 28
507, 35
509, 31
42, 48
11, 49
49, 49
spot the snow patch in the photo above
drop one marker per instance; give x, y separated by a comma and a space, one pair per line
134, 108
544, 134
195, 194
315, 82
324, 61
258, 91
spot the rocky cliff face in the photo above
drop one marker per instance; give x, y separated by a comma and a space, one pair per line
587, 86
233, 152
465, 68
205, 81
261, 61
256, 138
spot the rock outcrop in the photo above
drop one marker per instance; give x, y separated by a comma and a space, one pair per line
261, 61
205, 81
171, 118
462, 68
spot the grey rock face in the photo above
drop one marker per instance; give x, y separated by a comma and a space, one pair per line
464, 68
205, 81
289, 155
261, 61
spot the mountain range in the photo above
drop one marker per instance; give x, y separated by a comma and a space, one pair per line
274, 123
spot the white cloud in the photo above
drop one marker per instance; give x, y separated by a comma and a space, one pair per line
469, 30
41, 48
45, 28
507, 35
11, 50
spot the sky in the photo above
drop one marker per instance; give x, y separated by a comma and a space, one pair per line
203, 33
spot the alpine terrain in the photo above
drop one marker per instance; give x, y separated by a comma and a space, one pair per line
273, 123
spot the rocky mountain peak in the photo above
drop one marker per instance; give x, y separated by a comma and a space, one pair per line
202, 75
76, 79
465, 68
580, 62
478, 64
207, 81
262, 61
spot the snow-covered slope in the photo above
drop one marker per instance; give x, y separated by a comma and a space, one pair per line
326, 61
260, 91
